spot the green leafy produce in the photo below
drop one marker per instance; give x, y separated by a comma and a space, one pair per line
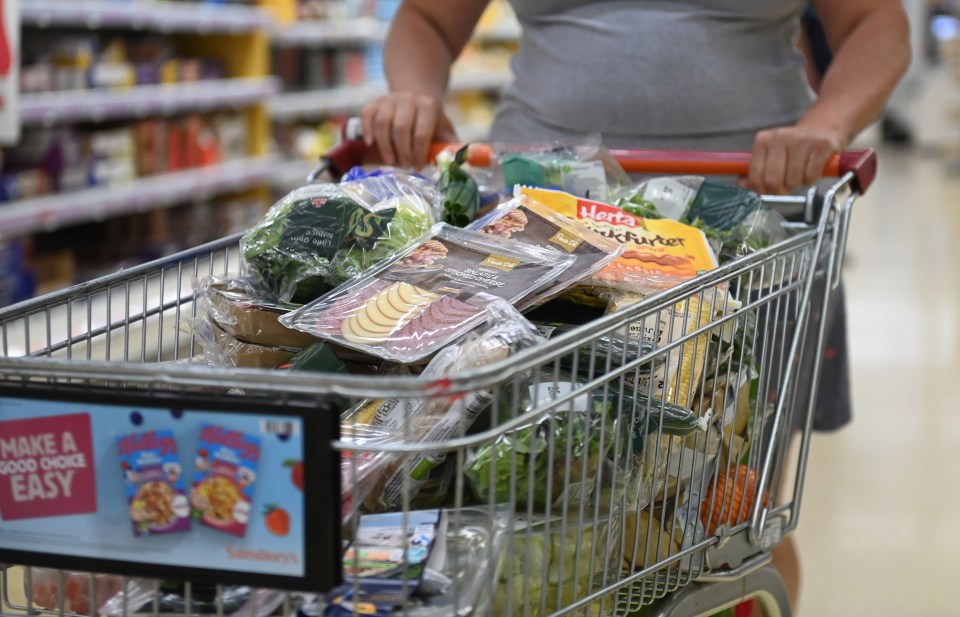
374, 236
581, 441
458, 191
570, 554
319, 236
288, 253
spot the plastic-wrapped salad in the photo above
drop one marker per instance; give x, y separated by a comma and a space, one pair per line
321, 235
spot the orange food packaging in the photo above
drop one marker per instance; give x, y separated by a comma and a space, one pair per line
658, 253
731, 500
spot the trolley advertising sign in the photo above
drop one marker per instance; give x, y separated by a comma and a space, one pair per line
184, 489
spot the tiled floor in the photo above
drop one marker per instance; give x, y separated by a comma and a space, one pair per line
879, 530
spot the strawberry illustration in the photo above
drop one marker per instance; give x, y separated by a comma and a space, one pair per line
277, 520
296, 476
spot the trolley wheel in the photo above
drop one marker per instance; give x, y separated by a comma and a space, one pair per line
703, 599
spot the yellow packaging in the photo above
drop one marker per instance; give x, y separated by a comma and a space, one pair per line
685, 317
660, 253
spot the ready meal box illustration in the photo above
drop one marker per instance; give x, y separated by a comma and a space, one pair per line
223, 479
154, 483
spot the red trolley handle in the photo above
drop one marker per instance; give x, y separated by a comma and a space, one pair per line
861, 163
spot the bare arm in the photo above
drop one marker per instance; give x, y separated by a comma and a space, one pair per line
426, 36
871, 39
871, 44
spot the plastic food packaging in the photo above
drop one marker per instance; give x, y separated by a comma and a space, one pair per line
321, 235
44, 588
574, 553
466, 556
442, 417
582, 167
678, 378
358, 468
554, 462
171, 600
223, 350
659, 253
735, 218
420, 300
524, 220
233, 305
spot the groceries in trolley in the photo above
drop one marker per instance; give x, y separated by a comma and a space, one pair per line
660, 253
439, 415
525, 220
428, 296
620, 468
322, 235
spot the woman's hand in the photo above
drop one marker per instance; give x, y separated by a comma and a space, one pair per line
791, 157
403, 125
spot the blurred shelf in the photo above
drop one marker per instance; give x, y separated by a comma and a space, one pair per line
144, 15
141, 101
294, 106
327, 33
292, 174
365, 30
52, 212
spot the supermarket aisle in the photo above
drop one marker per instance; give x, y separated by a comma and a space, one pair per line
878, 528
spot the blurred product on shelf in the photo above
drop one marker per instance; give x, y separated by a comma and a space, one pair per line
56, 260
319, 69
472, 114
17, 283
54, 62
334, 9
308, 141
65, 159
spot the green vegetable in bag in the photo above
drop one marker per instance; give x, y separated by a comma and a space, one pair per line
374, 236
288, 253
458, 191
582, 442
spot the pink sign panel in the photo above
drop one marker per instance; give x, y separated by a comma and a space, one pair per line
47, 467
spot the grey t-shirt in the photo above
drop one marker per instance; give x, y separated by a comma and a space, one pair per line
703, 74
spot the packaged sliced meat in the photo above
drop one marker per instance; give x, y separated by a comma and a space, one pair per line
421, 299
525, 220
438, 418
659, 253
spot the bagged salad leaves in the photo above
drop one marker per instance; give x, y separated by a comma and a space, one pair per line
574, 552
659, 253
432, 293
524, 220
441, 417
321, 235
734, 218
582, 167
580, 440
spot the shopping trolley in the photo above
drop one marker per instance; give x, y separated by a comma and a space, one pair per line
551, 506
